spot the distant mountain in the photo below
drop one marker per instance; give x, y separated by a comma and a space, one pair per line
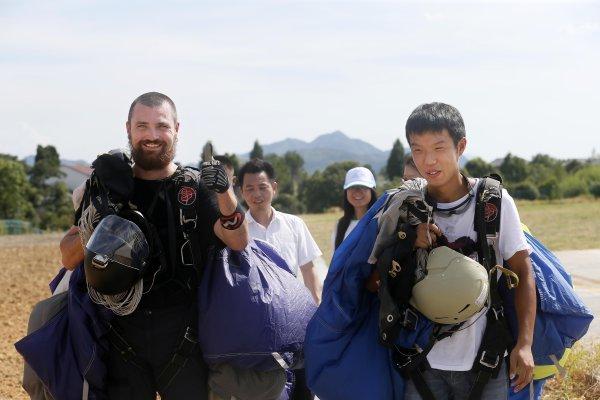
329, 148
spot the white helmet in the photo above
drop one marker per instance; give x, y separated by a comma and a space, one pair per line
456, 287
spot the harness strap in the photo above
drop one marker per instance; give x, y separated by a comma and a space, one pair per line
186, 349
125, 349
421, 385
496, 337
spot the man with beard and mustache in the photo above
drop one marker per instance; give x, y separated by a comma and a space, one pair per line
156, 328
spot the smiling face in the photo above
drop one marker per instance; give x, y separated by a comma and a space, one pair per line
358, 196
258, 191
152, 135
436, 157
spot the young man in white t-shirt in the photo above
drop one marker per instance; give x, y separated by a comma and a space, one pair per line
436, 135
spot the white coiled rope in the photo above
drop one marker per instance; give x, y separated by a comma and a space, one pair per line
122, 303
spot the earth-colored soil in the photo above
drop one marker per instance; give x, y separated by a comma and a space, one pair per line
27, 264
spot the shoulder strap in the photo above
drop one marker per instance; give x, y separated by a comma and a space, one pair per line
186, 184
496, 339
487, 219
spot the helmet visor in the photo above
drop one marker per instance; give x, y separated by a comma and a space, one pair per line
120, 240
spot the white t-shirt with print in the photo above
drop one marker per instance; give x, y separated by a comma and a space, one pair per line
290, 237
458, 352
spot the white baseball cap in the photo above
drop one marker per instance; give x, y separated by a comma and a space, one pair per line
359, 176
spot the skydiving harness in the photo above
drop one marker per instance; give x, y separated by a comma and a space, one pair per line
185, 183
396, 313
110, 188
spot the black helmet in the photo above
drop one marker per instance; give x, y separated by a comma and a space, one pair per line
117, 254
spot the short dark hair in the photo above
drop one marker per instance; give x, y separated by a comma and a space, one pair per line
152, 99
435, 117
256, 166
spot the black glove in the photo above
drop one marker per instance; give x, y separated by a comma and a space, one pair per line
214, 176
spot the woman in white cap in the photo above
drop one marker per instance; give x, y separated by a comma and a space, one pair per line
359, 195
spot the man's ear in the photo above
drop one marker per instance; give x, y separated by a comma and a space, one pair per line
274, 186
461, 146
177, 127
128, 128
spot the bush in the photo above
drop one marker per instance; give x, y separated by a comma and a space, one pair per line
595, 189
288, 204
573, 186
550, 189
525, 191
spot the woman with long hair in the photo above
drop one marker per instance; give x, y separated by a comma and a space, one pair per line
359, 196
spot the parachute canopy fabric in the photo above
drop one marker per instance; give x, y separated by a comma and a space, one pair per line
344, 359
251, 306
562, 316
70, 348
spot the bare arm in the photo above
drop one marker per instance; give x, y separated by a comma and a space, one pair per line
311, 281
521, 359
71, 249
235, 239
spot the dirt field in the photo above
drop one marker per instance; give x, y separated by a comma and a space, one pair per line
27, 264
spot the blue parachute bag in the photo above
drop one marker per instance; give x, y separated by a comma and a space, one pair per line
66, 353
562, 318
344, 359
253, 311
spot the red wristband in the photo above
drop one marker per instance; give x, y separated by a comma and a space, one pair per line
233, 221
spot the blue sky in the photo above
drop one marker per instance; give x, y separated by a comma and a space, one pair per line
525, 76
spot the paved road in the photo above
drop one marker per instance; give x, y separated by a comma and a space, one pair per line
584, 266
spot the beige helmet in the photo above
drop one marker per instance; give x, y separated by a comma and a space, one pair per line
456, 287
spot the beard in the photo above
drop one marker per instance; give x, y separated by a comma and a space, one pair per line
150, 161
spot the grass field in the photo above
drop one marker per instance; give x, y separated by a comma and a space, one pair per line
561, 225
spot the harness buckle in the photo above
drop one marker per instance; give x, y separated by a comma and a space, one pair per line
487, 362
190, 335
410, 320
187, 224
498, 312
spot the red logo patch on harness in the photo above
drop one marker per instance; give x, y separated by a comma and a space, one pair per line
186, 195
491, 212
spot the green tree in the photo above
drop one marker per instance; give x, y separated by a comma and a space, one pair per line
514, 169
46, 166
525, 190
324, 189
257, 151
56, 208
282, 173
550, 189
395, 161
477, 167
294, 162
573, 166
14, 189
544, 168
51, 201
235, 161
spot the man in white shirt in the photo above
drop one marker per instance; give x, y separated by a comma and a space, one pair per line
436, 135
287, 233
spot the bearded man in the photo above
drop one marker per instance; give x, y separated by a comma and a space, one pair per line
153, 349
